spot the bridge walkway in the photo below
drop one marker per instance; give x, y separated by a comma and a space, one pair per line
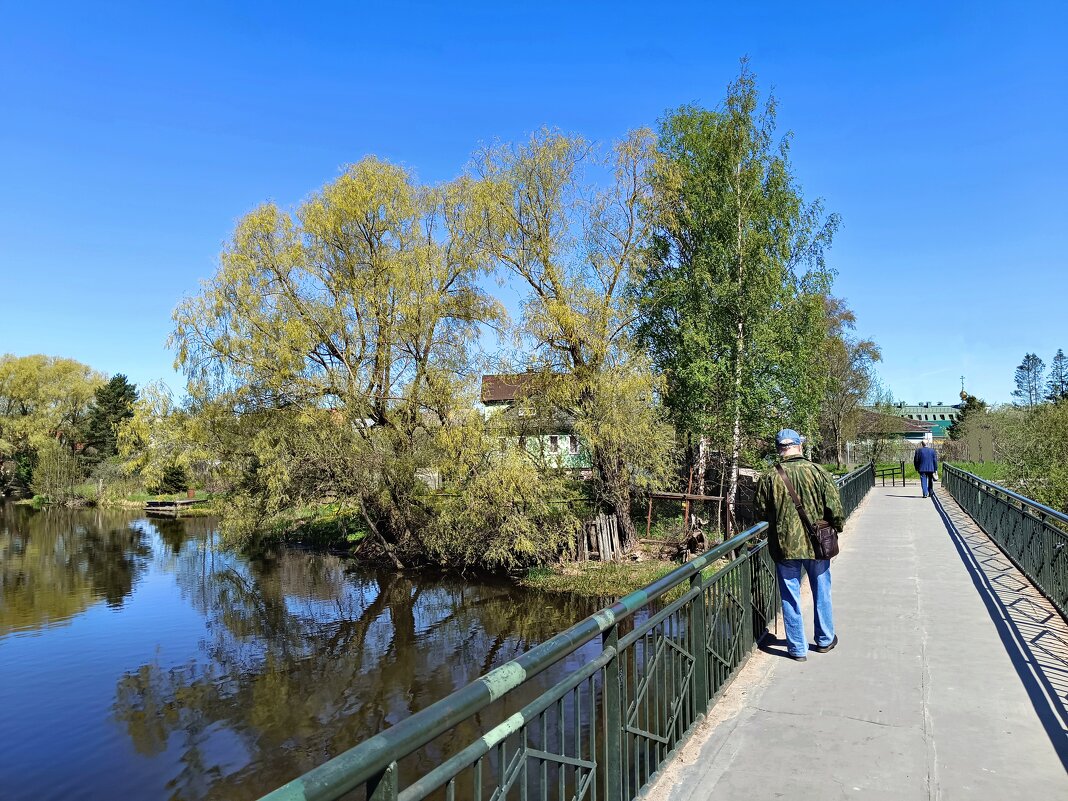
950, 680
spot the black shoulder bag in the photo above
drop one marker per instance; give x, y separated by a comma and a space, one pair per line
823, 535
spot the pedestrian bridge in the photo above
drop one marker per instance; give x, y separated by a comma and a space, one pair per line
950, 679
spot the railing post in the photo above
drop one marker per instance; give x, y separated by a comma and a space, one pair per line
383, 787
613, 716
749, 622
699, 638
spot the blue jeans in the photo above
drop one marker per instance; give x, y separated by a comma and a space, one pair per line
819, 579
927, 483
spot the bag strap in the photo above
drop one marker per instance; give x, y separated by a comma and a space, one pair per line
797, 501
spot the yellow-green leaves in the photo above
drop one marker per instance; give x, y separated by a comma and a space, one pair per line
43, 398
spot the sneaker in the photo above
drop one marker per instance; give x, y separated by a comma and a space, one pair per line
822, 649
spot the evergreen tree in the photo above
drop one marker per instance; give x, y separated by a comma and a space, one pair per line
112, 404
972, 405
1057, 383
1029, 381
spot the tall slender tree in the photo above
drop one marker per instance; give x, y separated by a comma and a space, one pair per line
732, 299
1029, 373
1057, 383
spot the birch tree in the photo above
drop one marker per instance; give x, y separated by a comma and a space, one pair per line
731, 300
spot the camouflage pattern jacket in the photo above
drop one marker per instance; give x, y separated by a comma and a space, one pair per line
819, 496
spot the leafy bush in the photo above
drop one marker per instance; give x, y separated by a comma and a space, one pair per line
56, 471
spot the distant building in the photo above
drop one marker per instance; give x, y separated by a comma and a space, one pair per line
880, 425
548, 436
939, 416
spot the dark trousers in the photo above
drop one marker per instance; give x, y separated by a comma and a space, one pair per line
927, 483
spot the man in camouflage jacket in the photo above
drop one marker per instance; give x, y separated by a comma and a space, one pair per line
791, 546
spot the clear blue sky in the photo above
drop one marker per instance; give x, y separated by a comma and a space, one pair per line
133, 135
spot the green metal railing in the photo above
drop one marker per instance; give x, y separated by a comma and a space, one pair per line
604, 729
854, 486
892, 473
1033, 536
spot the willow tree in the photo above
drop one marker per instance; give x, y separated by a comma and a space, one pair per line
45, 402
336, 339
732, 299
574, 247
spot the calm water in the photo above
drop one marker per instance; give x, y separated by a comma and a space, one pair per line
139, 660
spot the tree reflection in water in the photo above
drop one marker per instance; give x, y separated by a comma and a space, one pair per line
306, 656
57, 562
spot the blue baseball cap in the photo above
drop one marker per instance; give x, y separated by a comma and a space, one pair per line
788, 437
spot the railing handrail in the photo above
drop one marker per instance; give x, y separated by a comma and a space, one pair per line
841, 481
367, 759
1045, 510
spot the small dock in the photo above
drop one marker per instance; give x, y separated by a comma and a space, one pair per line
172, 508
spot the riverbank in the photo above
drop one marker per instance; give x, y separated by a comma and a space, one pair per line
596, 579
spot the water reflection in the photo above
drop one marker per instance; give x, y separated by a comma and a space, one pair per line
55, 563
305, 659
228, 676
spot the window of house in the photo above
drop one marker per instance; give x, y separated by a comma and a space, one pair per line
572, 444
554, 444
942, 416
910, 417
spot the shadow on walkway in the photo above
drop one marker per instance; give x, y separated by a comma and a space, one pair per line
1033, 632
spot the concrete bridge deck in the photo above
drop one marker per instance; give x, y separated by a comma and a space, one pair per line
950, 680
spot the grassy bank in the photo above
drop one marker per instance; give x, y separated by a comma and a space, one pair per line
604, 579
596, 579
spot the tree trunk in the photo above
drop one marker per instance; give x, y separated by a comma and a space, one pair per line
702, 464
736, 435
377, 535
615, 487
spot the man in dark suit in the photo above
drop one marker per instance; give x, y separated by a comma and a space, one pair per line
925, 460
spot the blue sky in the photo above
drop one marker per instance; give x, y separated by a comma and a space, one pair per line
132, 136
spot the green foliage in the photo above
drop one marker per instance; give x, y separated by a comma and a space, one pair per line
112, 405
1029, 372
575, 248
173, 479
849, 363
1032, 447
43, 400
972, 406
1057, 382
56, 473
331, 344
731, 299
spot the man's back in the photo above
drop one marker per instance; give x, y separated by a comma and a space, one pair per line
925, 460
819, 496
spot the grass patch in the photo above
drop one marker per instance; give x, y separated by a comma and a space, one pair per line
596, 579
141, 497
910, 471
990, 471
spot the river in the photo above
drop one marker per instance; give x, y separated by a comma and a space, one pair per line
140, 660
